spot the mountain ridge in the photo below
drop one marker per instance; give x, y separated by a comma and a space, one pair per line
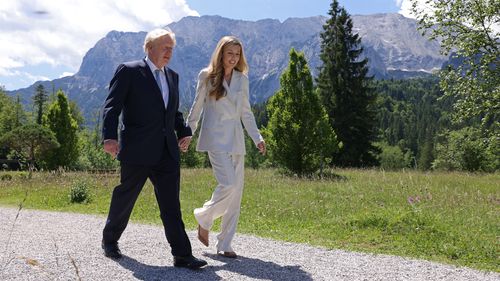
391, 42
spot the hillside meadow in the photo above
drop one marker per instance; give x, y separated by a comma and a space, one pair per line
445, 217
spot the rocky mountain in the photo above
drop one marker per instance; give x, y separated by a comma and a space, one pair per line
392, 44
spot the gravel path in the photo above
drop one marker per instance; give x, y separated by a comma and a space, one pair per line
41, 245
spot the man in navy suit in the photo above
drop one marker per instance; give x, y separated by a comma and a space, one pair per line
146, 94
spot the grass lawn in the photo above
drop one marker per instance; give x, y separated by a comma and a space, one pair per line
445, 217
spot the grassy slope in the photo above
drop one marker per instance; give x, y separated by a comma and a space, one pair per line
445, 217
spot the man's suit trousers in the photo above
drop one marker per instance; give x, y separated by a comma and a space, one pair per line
165, 177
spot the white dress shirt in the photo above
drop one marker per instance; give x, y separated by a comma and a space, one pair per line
163, 80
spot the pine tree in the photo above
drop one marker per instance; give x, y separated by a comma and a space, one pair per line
39, 99
344, 89
60, 121
298, 132
19, 113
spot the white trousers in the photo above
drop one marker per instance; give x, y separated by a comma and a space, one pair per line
228, 170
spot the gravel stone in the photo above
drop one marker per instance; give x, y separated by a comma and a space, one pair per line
41, 245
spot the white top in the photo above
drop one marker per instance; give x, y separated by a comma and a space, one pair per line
221, 128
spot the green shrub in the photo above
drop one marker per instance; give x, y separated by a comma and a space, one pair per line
467, 150
6, 177
24, 175
393, 158
80, 192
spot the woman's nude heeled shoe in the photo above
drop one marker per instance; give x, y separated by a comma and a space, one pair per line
203, 235
231, 255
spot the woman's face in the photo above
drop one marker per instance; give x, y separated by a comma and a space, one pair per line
231, 56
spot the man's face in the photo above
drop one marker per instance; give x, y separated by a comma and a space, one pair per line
161, 51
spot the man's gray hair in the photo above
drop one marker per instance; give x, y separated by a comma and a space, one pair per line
155, 34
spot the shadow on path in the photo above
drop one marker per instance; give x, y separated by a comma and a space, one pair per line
248, 267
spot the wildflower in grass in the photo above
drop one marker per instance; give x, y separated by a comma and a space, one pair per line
410, 200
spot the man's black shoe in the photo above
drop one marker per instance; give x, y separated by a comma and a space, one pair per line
189, 262
111, 250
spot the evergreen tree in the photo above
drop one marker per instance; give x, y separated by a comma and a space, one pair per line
298, 132
426, 155
60, 121
344, 89
77, 115
39, 100
411, 113
19, 113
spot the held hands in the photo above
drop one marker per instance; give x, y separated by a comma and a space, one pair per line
184, 143
262, 147
111, 147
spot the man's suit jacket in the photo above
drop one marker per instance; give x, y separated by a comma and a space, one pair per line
221, 128
147, 126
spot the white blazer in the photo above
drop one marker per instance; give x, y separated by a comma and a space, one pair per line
221, 128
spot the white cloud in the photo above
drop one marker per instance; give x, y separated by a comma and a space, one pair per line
64, 74
60, 32
405, 10
405, 7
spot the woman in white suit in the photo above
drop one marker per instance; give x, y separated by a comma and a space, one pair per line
222, 96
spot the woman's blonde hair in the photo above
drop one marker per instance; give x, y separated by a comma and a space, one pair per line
216, 67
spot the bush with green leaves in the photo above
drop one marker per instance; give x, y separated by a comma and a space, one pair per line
466, 149
192, 158
80, 192
92, 155
6, 177
393, 158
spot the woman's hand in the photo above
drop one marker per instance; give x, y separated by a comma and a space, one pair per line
262, 147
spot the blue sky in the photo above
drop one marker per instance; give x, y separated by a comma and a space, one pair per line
283, 9
47, 39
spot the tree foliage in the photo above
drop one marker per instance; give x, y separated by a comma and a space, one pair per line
344, 89
12, 116
60, 121
93, 156
393, 157
39, 99
298, 132
6, 113
410, 115
466, 149
470, 30
30, 141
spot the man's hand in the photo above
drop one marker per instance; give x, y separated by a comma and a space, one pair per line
262, 147
184, 143
111, 147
